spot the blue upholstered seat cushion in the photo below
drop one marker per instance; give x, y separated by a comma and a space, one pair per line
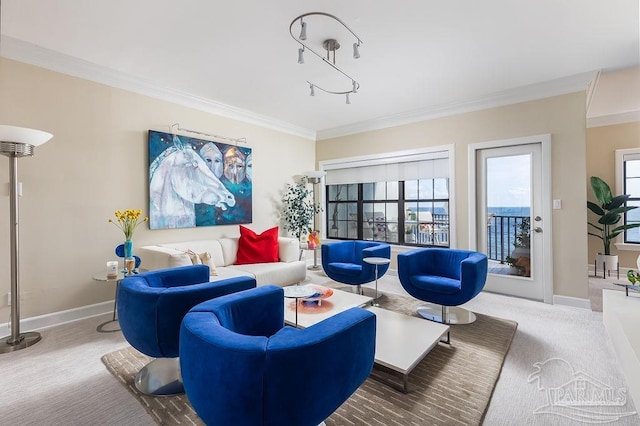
350, 269
436, 284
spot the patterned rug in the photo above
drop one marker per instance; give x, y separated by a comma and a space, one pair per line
452, 385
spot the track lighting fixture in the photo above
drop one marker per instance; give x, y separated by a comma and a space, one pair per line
330, 45
303, 30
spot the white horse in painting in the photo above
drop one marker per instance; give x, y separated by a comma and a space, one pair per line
179, 179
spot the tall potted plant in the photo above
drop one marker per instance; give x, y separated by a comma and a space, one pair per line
299, 208
609, 212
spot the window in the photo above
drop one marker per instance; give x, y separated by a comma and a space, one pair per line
628, 182
400, 199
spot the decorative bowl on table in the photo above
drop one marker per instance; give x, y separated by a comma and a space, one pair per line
320, 293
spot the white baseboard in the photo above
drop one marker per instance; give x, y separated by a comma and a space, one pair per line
62, 317
571, 301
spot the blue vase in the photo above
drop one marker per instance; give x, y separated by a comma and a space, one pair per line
128, 248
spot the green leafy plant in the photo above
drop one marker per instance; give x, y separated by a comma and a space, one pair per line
633, 277
299, 208
609, 212
523, 239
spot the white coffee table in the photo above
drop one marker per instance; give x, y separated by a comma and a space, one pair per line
402, 341
311, 313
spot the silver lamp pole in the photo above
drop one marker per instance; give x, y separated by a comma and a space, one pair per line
314, 178
17, 142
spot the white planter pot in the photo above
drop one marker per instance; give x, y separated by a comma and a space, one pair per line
610, 262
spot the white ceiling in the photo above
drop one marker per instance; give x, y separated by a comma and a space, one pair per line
419, 57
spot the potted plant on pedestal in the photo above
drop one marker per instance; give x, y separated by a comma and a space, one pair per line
609, 212
299, 209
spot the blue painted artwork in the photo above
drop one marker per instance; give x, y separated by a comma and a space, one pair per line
195, 182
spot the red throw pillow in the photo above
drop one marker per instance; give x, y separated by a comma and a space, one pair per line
257, 248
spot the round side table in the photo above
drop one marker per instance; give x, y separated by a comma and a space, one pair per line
102, 277
315, 265
376, 261
298, 292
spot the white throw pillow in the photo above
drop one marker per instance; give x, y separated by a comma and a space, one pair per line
202, 259
206, 259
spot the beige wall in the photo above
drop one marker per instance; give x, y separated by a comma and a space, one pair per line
97, 163
602, 143
561, 116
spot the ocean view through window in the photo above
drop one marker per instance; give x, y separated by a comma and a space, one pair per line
400, 198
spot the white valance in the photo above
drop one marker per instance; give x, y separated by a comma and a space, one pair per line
390, 169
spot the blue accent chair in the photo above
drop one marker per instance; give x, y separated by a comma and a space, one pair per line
120, 253
342, 261
242, 366
151, 306
446, 277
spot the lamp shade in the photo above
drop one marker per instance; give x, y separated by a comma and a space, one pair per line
23, 135
314, 174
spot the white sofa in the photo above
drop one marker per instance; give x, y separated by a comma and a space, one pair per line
223, 252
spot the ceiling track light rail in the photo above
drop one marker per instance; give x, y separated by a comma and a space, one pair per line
330, 46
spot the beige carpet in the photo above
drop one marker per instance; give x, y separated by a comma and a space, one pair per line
452, 385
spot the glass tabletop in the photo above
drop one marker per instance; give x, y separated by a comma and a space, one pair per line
377, 260
102, 275
298, 291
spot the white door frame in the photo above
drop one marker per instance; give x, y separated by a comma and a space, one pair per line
547, 246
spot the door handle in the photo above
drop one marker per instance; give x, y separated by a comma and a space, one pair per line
537, 229
537, 218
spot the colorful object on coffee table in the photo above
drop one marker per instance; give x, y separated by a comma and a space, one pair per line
320, 294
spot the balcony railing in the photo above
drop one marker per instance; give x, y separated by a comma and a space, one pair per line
501, 235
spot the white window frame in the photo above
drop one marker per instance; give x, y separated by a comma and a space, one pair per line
387, 157
620, 153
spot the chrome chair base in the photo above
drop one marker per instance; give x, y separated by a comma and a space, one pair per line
161, 377
446, 314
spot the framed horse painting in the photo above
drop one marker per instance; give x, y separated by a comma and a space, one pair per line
195, 182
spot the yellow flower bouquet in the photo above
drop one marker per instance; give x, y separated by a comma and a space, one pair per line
128, 221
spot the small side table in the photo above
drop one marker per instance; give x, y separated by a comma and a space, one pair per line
315, 265
376, 261
102, 276
298, 292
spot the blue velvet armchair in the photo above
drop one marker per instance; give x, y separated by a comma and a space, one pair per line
242, 366
445, 277
151, 306
342, 261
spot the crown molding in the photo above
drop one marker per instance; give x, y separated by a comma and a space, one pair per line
547, 89
611, 119
45, 58
29, 53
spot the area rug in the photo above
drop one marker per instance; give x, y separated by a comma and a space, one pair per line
452, 385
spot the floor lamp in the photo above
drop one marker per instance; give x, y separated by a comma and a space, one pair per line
16, 142
314, 178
